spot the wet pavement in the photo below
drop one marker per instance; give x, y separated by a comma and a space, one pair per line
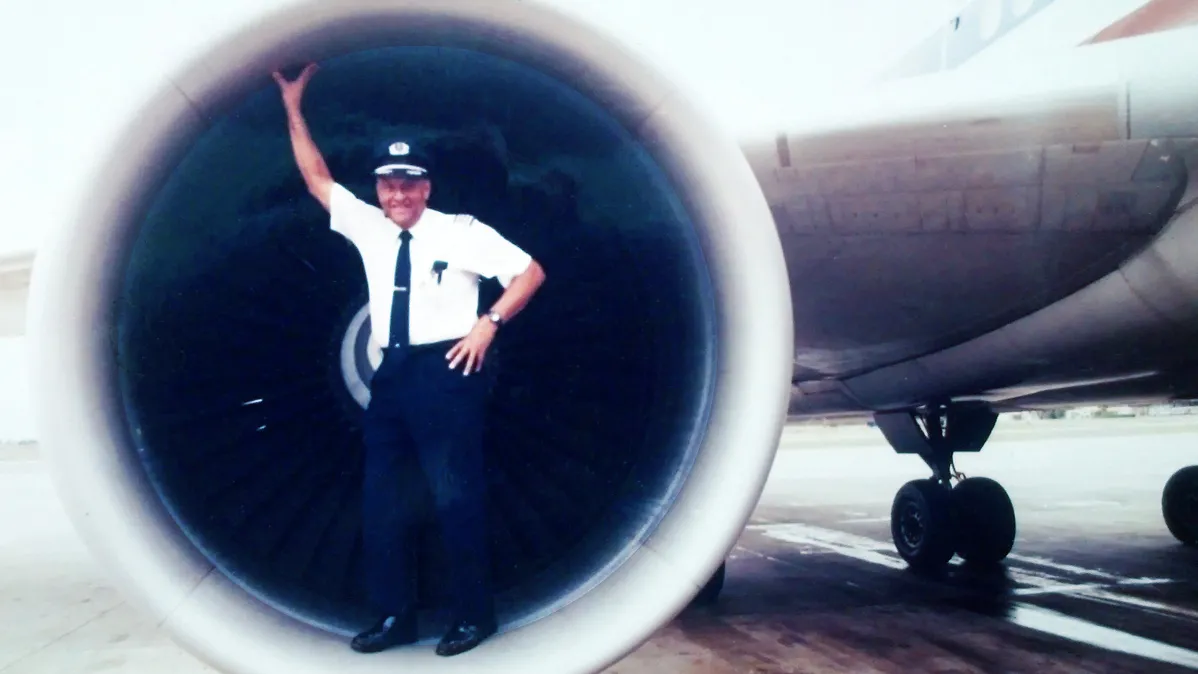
1095, 584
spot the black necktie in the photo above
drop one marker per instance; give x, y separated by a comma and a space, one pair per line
403, 291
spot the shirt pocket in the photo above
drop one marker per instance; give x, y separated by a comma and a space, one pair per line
442, 278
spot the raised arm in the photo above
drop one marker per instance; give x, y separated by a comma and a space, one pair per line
307, 156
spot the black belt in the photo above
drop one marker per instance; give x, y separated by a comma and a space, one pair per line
421, 348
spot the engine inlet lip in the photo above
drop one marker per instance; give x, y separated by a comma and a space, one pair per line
82, 423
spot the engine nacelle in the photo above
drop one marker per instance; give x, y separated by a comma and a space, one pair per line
202, 360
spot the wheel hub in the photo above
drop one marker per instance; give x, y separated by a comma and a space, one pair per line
911, 525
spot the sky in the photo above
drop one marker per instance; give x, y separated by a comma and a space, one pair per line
73, 70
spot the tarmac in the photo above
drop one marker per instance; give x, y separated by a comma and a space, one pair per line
1095, 584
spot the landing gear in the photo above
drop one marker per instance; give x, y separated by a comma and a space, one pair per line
1180, 505
931, 520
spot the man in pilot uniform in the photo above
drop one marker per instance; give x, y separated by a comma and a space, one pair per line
425, 418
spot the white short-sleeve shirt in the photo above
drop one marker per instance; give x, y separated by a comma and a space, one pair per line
469, 249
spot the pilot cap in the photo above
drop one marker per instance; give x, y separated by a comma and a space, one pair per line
400, 159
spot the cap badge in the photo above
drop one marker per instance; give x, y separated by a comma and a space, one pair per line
399, 149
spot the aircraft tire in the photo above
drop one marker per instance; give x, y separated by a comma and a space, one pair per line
984, 519
1180, 505
922, 525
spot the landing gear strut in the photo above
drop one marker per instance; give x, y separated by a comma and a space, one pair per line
931, 520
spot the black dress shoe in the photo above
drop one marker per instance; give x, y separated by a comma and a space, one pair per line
387, 632
464, 636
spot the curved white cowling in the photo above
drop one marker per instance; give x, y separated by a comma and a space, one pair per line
94, 449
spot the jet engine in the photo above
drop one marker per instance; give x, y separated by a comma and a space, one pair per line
203, 360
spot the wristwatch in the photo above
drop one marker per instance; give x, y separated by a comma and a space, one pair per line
495, 318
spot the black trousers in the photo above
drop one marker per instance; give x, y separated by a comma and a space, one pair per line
425, 422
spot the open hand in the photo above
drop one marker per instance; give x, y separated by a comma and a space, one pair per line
473, 347
293, 91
